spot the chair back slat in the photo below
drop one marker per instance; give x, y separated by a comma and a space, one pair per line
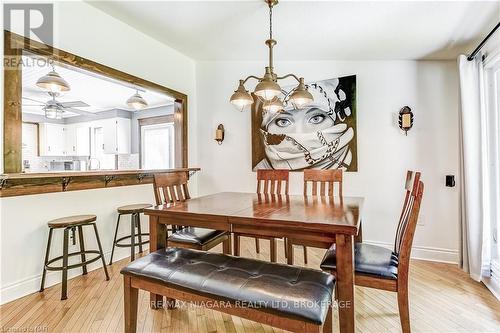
413, 195
325, 178
409, 230
171, 187
273, 181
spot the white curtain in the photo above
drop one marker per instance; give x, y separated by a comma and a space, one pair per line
475, 213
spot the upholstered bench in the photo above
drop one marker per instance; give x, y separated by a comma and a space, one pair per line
288, 297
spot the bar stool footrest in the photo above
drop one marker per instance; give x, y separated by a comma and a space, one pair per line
86, 262
117, 243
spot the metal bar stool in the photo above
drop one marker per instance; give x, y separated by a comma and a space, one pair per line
135, 222
70, 224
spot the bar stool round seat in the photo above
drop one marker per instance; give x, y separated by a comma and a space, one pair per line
131, 209
72, 225
134, 210
70, 221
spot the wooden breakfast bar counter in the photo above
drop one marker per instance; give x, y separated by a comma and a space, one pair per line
17, 184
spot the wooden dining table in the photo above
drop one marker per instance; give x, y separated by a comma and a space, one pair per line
316, 218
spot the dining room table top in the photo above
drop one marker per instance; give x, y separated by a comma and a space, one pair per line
322, 213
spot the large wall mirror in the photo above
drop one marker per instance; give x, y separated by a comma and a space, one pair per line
66, 113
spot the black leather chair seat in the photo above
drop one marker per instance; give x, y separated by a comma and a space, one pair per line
368, 259
195, 235
288, 291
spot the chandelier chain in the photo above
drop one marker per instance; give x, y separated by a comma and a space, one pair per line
270, 22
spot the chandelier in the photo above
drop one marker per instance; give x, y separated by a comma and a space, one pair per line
268, 89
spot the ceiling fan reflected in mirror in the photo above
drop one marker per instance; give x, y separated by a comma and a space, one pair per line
54, 109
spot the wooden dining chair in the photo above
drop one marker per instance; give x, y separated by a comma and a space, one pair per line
316, 183
381, 268
172, 188
269, 182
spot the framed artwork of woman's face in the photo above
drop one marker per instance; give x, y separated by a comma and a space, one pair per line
321, 135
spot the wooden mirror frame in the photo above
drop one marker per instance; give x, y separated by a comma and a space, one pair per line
14, 45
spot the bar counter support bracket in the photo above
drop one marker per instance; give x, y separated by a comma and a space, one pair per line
107, 179
141, 176
3, 182
65, 182
191, 173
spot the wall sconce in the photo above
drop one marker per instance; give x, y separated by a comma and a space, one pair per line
405, 119
219, 134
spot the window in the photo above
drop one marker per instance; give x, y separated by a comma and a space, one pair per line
157, 146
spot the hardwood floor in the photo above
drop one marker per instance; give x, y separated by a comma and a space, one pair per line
442, 299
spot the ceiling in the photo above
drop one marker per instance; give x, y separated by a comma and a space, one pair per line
312, 30
99, 92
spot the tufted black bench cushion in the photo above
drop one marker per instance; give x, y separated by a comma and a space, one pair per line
283, 290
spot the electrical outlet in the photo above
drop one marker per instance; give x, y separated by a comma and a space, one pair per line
421, 220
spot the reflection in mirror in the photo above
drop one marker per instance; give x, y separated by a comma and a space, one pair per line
77, 120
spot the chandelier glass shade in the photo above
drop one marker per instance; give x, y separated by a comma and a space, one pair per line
267, 88
241, 98
274, 105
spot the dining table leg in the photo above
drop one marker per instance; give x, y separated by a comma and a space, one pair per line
345, 281
157, 240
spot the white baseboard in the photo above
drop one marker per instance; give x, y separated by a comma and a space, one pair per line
31, 284
426, 253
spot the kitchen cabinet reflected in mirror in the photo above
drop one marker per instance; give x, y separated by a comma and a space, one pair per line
76, 120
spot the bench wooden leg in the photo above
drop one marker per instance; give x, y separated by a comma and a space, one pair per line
130, 305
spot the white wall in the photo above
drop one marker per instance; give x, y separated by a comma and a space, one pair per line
384, 153
86, 31
430, 88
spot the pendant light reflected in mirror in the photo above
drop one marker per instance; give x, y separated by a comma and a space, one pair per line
136, 101
53, 82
